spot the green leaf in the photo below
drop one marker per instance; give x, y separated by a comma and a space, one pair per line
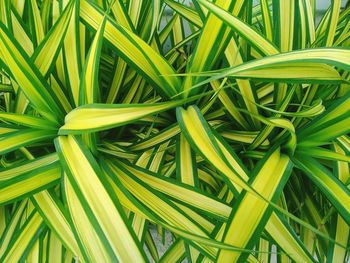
46, 53
24, 137
28, 78
255, 39
333, 189
28, 121
21, 244
306, 66
89, 87
269, 181
19, 182
56, 218
134, 51
97, 117
103, 213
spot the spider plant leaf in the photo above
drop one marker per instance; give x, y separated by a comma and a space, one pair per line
342, 229
87, 236
234, 57
28, 121
55, 248
22, 243
175, 253
4, 129
151, 246
310, 20
201, 139
322, 28
267, 20
60, 94
186, 168
321, 153
134, 11
45, 54
15, 184
333, 21
117, 81
230, 107
121, 15
173, 216
102, 210
29, 79
97, 117
186, 12
89, 87
24, 137
156, 139
6, 88
263, 246
179, 191
303, 24
333, 189
11, 227
152, 159
242, 137
217, 153
37, 22
306, 66
240, 27
287, 239
336, 128
329, 125
26, 167
122, 18
56, 219
20, 34
284, 13
272, 175
134, 51
208, 50
72, 54
5, 17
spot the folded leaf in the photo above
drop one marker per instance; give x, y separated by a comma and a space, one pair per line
97, 117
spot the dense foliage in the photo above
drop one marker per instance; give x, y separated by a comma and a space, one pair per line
223, 123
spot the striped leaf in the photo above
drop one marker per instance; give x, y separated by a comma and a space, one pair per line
56, 218
14, 140
103, 213
335, 191
269, 181
298, 66
47, 51
97, 117
28, 78
22, 243
135, 51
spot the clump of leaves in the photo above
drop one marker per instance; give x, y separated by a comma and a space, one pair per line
223, 123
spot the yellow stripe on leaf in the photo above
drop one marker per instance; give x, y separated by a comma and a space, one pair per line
243, 224
104, 213
97, 117
135, 51
29, 80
